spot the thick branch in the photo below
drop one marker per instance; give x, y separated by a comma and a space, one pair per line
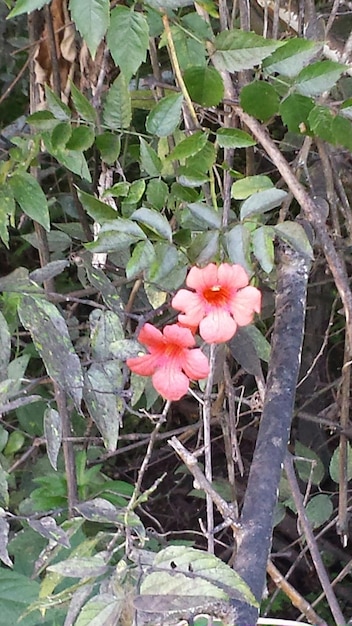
264, 476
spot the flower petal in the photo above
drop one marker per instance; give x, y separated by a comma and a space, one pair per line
170, 382
151, 336
196, 364
232, 276
244, 304
144, 365
191, 304
181, 336
217, 326
201, 278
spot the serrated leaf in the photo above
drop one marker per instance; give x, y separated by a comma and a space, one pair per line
115, 235
157, 222
250, 185
295, 235
5, 347
263, 247
260, 100
109, 146
105, 328
294, 111
52, 340
80, 567
101, 609
128, 39
58, 108
141, 258
319, 77
234, 138
157, 194
150, 161
262, 202
53, 435
31, 198
92, 20
319, 509
82, 105
334, 467
320, 121
292, 57
313, 468
82, 138
237, 242
26, 6
237, 50
165, 116
117, 111
48, 528
103, 383
189, 146
204, 85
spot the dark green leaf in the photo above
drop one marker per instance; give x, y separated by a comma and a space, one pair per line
243, 350
7, 211
165, 260
263, 247
237, 50
262, 202
60, 135
26, 6
48, 528
165, 116
115, 235
128, 39
249, 185
341, 129
109, 146
157, 193
5, 347
311, 469
294, 111
53, 435
205, 215
154, 220
142, 257
30, 197
98, 210
334, 467
204, 247
82, 105
92, 20
260, 100
234, 138
117, 113
319, 509
204, 85
320, 121
105, 327
50, 270
82, 138
150, 161
58, 108
237, 242
52, 340
189, 146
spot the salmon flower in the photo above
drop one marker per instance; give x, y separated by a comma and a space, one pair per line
172, 360
221, 301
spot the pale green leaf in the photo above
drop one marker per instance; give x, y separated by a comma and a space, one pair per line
5, 347
295, 235
260, 100
91, 18
237, 242
157, 222
292, 57
30, 197
234, 138
263, 247
249, 185
80, 567
150, 161
26, 6
117, 112
7, 211
165, 116
105, 327
157, 194
101, 609
53, 435
141, 258
98, 210
128, 39
48, 528
116, 234
205, 215
204, 85
109, 145
58, 108
204, 247
319, 509
262, 202
319, 77
310, 470
237, 50
103, 384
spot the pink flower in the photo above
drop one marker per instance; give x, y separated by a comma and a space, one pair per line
221, 301
172, 360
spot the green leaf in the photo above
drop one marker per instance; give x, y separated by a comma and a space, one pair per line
319, 509
53, 435
128, 39
320, 121
5, 347
58, 108
105, 327
310, 470
13, 603
103, 384
142, 257
295, 235
117, 112
4, 490
109, 146
157, 223
204, 247
341, 129
74, 160
4, 538
237, 242
82, 138
244, 352
292, 57
115, 235
165, 260
260, 100
262, 202
263, 247
26, 6
249, 185
234, 138
60, 135
205, 215
30, 197
42, 120
260, 343
237, 50
345, 110
82, 105
294, 111
52, 340
7, 211
150, 161
80, 567
98, 210
157, 193
92, 20
47, 527
204, 85
334, 467
189, 50
189, 146
101, 609
165, 116
319, 77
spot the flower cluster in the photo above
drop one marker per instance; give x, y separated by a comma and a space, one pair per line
220, 300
